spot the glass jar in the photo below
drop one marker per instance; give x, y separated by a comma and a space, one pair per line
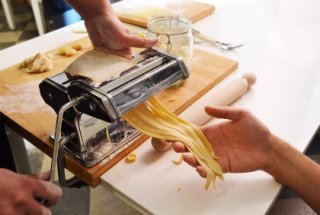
175, 37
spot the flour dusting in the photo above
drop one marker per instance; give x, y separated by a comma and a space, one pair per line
23, 98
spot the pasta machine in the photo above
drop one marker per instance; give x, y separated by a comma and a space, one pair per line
89, 126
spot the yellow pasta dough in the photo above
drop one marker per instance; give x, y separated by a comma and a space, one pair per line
77, 46
155, 120
179, 161
131, 157
99, 66
36, 64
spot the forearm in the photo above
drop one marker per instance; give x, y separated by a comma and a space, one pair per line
90, 9
296, 171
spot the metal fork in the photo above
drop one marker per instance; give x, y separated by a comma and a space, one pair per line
204, 38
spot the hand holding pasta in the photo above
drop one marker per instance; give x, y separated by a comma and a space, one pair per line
155, 120
241, 143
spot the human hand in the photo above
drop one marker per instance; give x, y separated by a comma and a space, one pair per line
160, 145
241, 143
109, 35
19, 194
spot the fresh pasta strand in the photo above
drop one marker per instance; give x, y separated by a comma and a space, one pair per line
155, 120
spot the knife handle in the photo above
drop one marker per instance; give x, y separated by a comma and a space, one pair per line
203, 37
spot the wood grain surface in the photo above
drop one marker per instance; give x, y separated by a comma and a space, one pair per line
139, 14
25, 112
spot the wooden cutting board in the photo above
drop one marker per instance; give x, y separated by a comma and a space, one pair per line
24, 110
138, 12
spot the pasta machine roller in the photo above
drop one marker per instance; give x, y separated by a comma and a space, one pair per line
89, 126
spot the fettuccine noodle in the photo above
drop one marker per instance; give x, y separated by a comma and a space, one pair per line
155, 120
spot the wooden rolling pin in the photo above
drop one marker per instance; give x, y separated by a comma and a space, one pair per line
226, 95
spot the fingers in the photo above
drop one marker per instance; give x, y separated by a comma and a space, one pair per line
34, 207
190, 160
125, 53
179, 147
225, 112
47, 190
202, 171
160, 145
134, 41
45, 211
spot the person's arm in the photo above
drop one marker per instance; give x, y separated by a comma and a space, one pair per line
243, 144
105, 30
296, 171
21, 194
90, 9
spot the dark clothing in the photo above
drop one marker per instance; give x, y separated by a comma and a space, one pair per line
6, 158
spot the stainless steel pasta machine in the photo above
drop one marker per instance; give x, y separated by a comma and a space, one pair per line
89, 126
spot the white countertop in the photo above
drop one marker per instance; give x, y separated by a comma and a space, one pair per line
282, 46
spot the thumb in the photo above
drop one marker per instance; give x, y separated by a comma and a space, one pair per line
225, 112
134, 41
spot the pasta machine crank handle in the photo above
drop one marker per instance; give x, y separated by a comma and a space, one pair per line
72, 182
